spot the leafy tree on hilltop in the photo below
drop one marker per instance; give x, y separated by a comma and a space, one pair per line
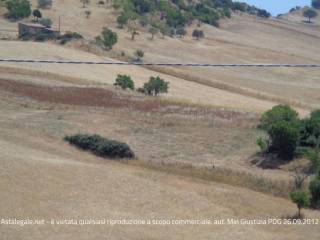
310, 13
18, 9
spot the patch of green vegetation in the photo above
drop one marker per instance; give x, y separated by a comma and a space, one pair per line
101, 146
176, 14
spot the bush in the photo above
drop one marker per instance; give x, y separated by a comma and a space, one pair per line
69, 36
101, 146
108, 38
18, 9
263, 144
314, 188
44, 3
301, 199
284, 139
47, 22
197, 34
155, 86
139, 55
277, 114
124, 81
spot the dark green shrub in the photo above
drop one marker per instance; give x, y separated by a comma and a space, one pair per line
18, 9
284, 139
124, 81
197, 34
37, 14
69, 36
101, 146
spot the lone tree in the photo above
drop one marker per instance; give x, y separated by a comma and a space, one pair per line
122, 19
310, 13
316, 4
108, 38
124, 81
18, 9
301, 199
155, 86
44, 3
197, 34
87, 13
37, 14
133, 32
139, 55
153, 31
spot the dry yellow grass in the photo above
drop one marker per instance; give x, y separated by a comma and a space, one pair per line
243, 39
44, 178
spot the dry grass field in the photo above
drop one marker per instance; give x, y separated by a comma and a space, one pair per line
196, 146
43, 177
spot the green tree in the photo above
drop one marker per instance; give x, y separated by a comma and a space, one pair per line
316, 4
276, 114
108, 38
124, 81
18, 9
139, 55
122, 19
37, 14
301, 199
284, 139
310, 13
155, 86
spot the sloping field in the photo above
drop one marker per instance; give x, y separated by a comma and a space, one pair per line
43, 178
179, 89
242, 39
